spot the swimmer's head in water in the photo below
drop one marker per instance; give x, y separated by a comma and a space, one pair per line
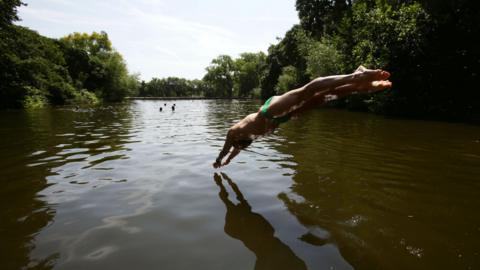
242, 144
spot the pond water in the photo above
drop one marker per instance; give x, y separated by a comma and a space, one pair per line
130, 187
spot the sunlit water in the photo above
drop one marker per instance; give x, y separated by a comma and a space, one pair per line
130, 187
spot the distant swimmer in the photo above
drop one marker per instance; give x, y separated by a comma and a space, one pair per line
165, 104
279, 109
173, 107
161, 109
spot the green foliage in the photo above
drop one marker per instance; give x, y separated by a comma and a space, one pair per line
382, 32
30, 61
248, 68
256, 93
95, 44
225, 77
426, 44
85, 97
219, 76
173, 87
114, 87
288, 52
36, 70
287, 80
321, 16
8, 12
34, 98
273, 69
394, 38
94, 65
322, 57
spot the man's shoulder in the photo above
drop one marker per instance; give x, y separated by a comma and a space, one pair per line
232, 130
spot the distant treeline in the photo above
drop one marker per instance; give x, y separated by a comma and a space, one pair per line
225, 77
427, 45
79, 68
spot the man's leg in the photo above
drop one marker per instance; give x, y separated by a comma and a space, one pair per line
342, 91
295, 99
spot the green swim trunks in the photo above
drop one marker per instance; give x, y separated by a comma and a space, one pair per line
275, 120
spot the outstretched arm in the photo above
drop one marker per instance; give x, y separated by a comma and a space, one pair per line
226, 148
233, 154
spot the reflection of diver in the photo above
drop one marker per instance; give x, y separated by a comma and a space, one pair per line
256, 233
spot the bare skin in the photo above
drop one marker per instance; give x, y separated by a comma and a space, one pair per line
299, 100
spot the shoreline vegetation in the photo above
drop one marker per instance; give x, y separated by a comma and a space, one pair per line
425, 44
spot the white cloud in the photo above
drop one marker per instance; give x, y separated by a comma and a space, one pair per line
166, 38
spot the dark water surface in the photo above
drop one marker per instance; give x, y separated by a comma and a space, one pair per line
129, 187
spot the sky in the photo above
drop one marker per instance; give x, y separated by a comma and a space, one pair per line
161, 38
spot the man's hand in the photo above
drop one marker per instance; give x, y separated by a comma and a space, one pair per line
226, 147
226, 162
218, 164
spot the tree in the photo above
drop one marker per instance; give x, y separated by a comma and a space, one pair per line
95, 44
273, 69
8, 12
287, 80
248, 68
96, 66
219, 76
321, 16
32, 65
288, 52
35, 70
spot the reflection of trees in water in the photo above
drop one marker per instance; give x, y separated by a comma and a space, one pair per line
325, 194
23, 214
366, 184
255, 232
32, 138
99, 134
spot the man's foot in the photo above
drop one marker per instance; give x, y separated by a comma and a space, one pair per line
369, 75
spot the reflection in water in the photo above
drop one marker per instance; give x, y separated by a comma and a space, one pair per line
388, 192
256, 233
22, 213
21, 218
44, 153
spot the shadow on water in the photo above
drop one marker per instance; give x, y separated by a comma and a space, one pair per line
255, 232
